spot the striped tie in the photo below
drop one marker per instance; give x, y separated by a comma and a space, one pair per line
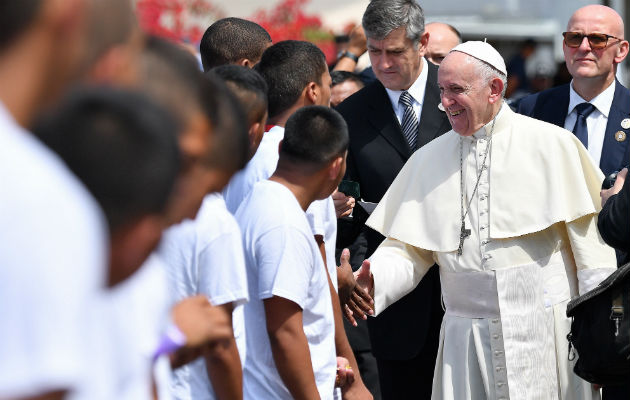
409, 120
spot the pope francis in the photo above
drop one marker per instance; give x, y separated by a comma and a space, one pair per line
507, 207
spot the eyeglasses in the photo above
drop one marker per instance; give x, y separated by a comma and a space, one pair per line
596, 40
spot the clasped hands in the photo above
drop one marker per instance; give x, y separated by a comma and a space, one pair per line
356, 289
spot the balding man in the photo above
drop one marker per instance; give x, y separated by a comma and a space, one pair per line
442, 38
507, 207
595, 106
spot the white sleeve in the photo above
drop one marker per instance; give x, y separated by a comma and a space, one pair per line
221, 274
595, 260
397, 269
315, 216
285, 264
52, 262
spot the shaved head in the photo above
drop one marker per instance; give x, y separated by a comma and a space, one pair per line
601, 17
442, 38
593, 69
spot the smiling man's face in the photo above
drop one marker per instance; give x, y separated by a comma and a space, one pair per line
465, 96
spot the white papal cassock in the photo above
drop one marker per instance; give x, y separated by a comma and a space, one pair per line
533, 245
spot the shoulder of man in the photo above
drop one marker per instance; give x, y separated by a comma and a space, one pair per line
532, 104
359, 100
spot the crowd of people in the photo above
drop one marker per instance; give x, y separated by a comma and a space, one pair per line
177, 227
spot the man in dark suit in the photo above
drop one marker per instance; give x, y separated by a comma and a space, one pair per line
388, 120
593, 47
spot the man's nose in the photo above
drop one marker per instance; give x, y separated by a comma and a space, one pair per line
585, 45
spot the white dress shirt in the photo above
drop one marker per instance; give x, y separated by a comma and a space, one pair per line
416, 90
596, 121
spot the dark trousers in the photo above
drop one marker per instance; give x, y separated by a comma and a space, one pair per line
616, 392
407, 379
412, 379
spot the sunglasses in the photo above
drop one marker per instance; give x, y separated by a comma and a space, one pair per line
596, 40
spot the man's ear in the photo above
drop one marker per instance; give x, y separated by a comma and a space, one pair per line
496, 88
622, 52
422, 44
245, 62
255, 134
311, 93
334, 168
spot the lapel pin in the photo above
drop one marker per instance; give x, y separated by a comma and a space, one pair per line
625, 124
620, 136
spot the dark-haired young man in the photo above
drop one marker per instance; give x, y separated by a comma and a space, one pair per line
297, 76
251, 90
129, 160
205, 256
233, 41
290, 298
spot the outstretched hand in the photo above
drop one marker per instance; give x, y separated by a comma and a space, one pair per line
606, 193
355, 289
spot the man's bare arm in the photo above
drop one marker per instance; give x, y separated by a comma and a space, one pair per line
290, 347
356, 389
224, 365
356, 46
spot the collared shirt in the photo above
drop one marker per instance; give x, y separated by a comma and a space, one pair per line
416, 90
596, 121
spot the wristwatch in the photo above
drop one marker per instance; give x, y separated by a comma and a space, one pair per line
350, 55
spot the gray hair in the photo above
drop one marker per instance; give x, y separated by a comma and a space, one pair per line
487, 72
383, 16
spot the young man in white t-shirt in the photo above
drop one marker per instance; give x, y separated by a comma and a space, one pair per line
205, 256
291, 345
297, 76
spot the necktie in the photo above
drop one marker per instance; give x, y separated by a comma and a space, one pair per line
409, 120
580, 129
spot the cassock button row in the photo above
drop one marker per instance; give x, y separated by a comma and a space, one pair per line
495, 321
487, 257
500, 384
498, 369
497, 353
482, 228
482, 197
495, 337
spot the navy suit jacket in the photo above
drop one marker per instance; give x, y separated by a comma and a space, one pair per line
552, 106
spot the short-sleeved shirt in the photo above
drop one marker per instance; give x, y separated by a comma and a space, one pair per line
205, 256
52, 264
323, 221
283, 260
127, 323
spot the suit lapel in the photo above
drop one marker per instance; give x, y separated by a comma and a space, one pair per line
613, 152
431, 117
558, 109
383, 118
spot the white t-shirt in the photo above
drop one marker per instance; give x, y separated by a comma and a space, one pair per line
128, 322
283, 260
205, 256
321, 214
323, 221
52, 264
